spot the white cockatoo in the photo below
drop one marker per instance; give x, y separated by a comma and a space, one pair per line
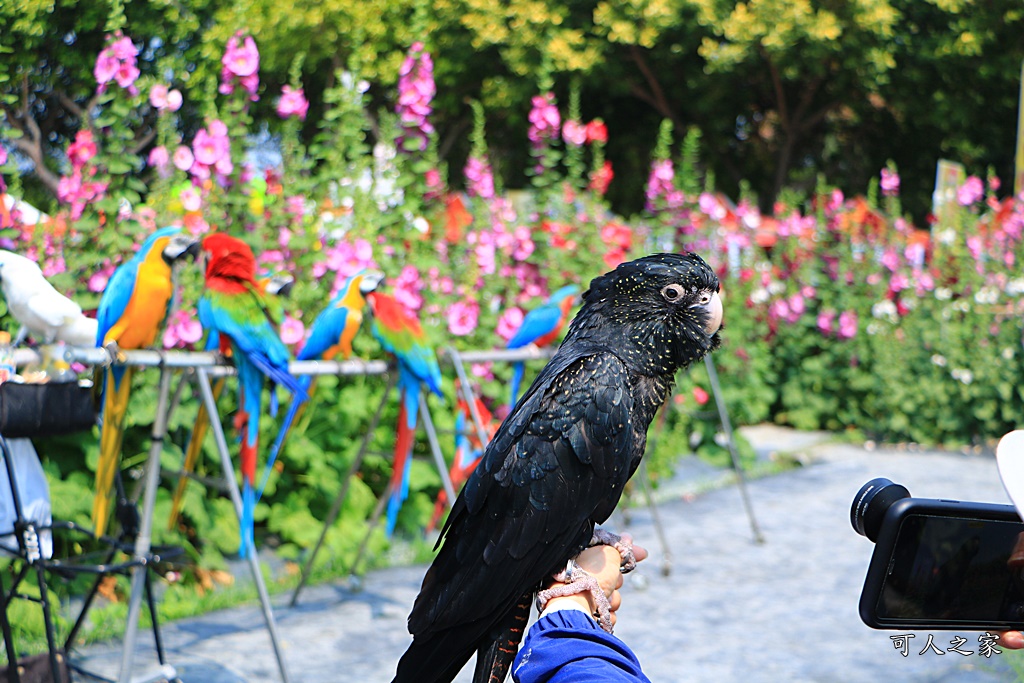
46, 313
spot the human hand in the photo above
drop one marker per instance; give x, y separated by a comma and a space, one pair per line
602, 562
1011, 640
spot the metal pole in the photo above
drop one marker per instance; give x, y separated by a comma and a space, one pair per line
203, 379
645, 484
467, 393
435, 449
307, 568
143, 540
371, 524
723, 415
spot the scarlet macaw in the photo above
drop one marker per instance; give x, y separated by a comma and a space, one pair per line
132, 310
468, 449
278, 286
331, 334
234, 311
540, 327
400, 333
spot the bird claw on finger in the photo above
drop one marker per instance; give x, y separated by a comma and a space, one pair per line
577, 580
623, 543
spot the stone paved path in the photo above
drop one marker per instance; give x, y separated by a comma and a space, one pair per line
730, 610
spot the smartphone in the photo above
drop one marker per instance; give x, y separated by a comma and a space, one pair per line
946, 565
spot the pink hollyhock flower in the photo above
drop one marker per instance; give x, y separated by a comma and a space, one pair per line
82, 149
98, 280
124, 49
482, 370
106, 66
126, 75
890, 259
296, 205
480, 179
241, 59
183, 329
597, 131
54, 266
462, 317
659, 181
190, 200
574, 132
183, 158
847, 325
174, 100
797, 306
544, 118
284, 236
509, 322
292, 330
890, 183
158, 96
224, 165
159, 157
407, 289
209, 147
416, 90
292, 103
971, 191
826, 322
3, 155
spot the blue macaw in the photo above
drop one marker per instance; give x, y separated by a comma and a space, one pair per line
330, 335
540, 327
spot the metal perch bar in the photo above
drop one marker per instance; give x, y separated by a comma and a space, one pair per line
213, 362
203, 379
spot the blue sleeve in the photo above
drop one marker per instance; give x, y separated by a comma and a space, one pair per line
567, 646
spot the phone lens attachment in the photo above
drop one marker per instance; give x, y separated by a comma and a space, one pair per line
870, 504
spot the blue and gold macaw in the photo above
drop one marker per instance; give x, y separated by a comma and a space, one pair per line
400, 333
132, 310
235, 314
540, 327
330, 335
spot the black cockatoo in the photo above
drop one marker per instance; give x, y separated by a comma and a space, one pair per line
558, 463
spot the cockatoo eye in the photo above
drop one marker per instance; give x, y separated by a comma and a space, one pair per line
672, 293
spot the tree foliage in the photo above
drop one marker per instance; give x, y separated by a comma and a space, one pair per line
783, 90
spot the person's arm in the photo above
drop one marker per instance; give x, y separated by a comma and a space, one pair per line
566, 644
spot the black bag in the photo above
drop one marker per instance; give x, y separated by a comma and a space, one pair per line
36, 669
50, 409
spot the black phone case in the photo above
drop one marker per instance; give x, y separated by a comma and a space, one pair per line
878, 569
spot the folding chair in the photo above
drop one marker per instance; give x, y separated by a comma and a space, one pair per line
26, 531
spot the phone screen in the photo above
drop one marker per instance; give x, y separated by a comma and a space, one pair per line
949, 569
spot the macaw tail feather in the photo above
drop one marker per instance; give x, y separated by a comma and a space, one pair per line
518, 370
115, 406
399, 493
402, 461
248, 521
195, 446
295, 410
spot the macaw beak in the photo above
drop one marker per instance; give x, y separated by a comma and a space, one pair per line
715, 313
180, 245
372, 279
281, 285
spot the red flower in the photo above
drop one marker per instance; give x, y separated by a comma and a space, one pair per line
602, 178
597, 131
700, 396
